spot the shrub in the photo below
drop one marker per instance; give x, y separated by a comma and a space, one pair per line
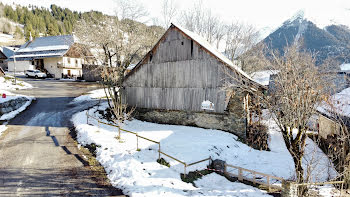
257, 136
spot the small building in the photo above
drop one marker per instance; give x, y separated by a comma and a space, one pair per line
58, 56
181, 81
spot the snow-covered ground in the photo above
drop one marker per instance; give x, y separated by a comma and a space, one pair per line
263, 77
94, 94
138, 174
223, 187
6, 85
5, 38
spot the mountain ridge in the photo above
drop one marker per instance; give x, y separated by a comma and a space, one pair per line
332, 41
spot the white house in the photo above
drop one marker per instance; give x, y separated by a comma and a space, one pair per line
58, 56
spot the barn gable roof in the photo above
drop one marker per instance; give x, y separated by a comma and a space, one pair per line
204, 43
206, 46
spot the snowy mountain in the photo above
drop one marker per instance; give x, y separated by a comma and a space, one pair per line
331, 40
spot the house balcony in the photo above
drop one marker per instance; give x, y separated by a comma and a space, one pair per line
71, 66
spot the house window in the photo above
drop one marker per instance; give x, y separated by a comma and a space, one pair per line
150, 57
76, 62
68, 60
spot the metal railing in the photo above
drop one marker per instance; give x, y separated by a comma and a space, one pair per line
142, 137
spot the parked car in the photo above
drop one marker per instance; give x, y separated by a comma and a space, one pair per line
35, 73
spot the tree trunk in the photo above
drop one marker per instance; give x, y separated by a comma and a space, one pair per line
298, 167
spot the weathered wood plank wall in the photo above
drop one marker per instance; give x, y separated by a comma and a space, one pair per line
179, 75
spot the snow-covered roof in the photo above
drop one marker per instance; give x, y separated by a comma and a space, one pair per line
8, 51
263, 77
345, 67
50, 46
48, 43
204, 43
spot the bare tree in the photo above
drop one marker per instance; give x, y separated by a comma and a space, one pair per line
298, 91
203, 22
133, 10
116, 44
240, 38
255, 59
169, 12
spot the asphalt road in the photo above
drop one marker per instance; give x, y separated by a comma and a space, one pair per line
38, 157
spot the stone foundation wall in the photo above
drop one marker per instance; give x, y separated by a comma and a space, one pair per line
12, 105
227, 122
91, 72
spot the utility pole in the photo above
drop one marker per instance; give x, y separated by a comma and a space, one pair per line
14, 63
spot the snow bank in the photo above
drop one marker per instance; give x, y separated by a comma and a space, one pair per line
223, 187
2, 128
12, 114
95, 94
5, 38
7, 83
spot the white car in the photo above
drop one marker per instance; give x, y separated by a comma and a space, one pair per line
35, 73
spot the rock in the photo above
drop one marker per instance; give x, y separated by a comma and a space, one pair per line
219, 165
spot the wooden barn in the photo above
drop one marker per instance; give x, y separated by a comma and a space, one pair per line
181, 81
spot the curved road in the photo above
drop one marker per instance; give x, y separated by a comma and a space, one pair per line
38, 157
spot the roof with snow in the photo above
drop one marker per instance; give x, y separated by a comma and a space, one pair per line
345, 67
208, 47
50, 46
8, 51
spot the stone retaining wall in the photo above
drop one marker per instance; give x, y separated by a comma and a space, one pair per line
223, 121
12, 105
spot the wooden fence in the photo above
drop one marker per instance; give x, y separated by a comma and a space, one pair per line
137, 142
255, 177
240, 175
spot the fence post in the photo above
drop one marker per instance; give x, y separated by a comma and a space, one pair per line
225, 168
185, 170
254, 178
119, 133
268, 182
240, 178
137, 142
290, 189
87, 117
159, 152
